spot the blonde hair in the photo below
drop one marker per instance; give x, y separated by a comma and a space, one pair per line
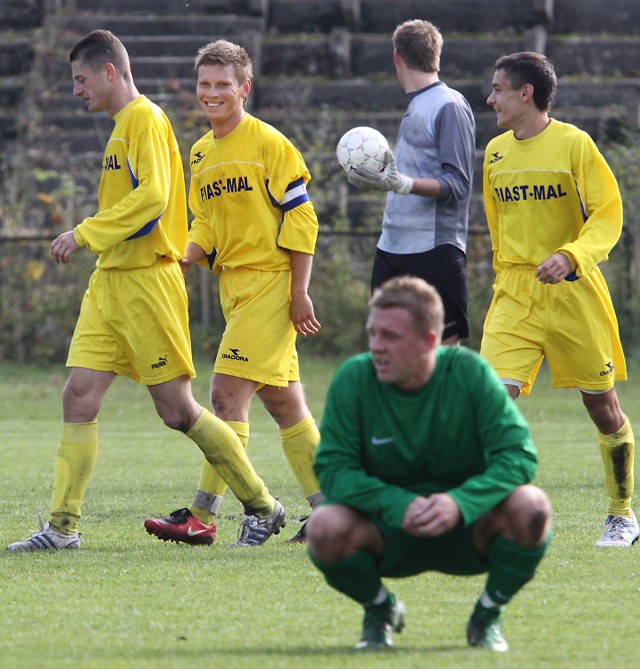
418, 297
419, 43
223, 52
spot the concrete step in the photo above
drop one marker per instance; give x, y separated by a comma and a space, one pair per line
371, 55
381, 16
596, 55
462, 56
16, 54
11, 92
22, 14
159, 7
187, 23
9, 126
452, 16
601, 92
153, 46
473, 16
595, 16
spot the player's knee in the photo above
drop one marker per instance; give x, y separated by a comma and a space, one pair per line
175, 417
528, 515
79, 403
328, 531
604, 410
285, 408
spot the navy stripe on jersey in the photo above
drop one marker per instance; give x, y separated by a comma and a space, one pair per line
145, 229
148, 227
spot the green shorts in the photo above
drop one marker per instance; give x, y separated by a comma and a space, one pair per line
406, 555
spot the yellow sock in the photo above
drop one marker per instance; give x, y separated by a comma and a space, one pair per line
222, 449
75, 460
299, 443
211, 486
617, 455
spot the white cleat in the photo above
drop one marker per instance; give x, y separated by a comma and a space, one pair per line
619, 531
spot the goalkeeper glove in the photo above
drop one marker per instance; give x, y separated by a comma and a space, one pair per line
388, 179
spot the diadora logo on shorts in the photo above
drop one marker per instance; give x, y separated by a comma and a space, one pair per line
495, 157
609, 369
235, 355
162, 362
198, 157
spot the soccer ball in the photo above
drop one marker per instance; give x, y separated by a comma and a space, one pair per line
362, 147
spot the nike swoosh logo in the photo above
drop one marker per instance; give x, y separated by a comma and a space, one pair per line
193, 533
378, 442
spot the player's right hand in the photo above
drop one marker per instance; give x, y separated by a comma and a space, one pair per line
63, 246
431, 516
185, 265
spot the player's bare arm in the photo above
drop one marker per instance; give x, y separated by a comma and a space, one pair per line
63, 246
431, 516
302, 314
554, 269
193, 254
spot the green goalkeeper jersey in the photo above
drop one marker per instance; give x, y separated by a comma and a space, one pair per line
461, 433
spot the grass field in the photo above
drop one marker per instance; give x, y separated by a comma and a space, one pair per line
126, 600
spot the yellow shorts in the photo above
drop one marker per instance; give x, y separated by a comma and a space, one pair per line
259, 339
572, 323
135, 323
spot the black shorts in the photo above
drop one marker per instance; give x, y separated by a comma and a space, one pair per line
444, 267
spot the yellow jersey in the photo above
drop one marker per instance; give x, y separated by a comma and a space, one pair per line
142, 204
551, 193
248, 196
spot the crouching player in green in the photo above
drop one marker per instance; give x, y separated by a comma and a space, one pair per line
426, 463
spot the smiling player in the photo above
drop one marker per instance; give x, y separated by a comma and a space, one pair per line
254, 225
554, 213
133, 319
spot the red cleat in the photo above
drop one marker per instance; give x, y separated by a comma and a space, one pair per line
181, 526
300, 537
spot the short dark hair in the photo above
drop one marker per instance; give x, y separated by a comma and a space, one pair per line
419, 44
100, 47
418, 297
529, 67
223, 52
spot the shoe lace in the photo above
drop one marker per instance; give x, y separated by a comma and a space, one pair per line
250, 528
616, 527
40, 530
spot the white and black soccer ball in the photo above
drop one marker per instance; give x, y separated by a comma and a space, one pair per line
362, 147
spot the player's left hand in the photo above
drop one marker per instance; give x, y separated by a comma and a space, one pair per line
302, 315
554, 269
389, 179
431, 516
63, 246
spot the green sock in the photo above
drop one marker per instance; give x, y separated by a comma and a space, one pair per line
355, 576
511, 566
